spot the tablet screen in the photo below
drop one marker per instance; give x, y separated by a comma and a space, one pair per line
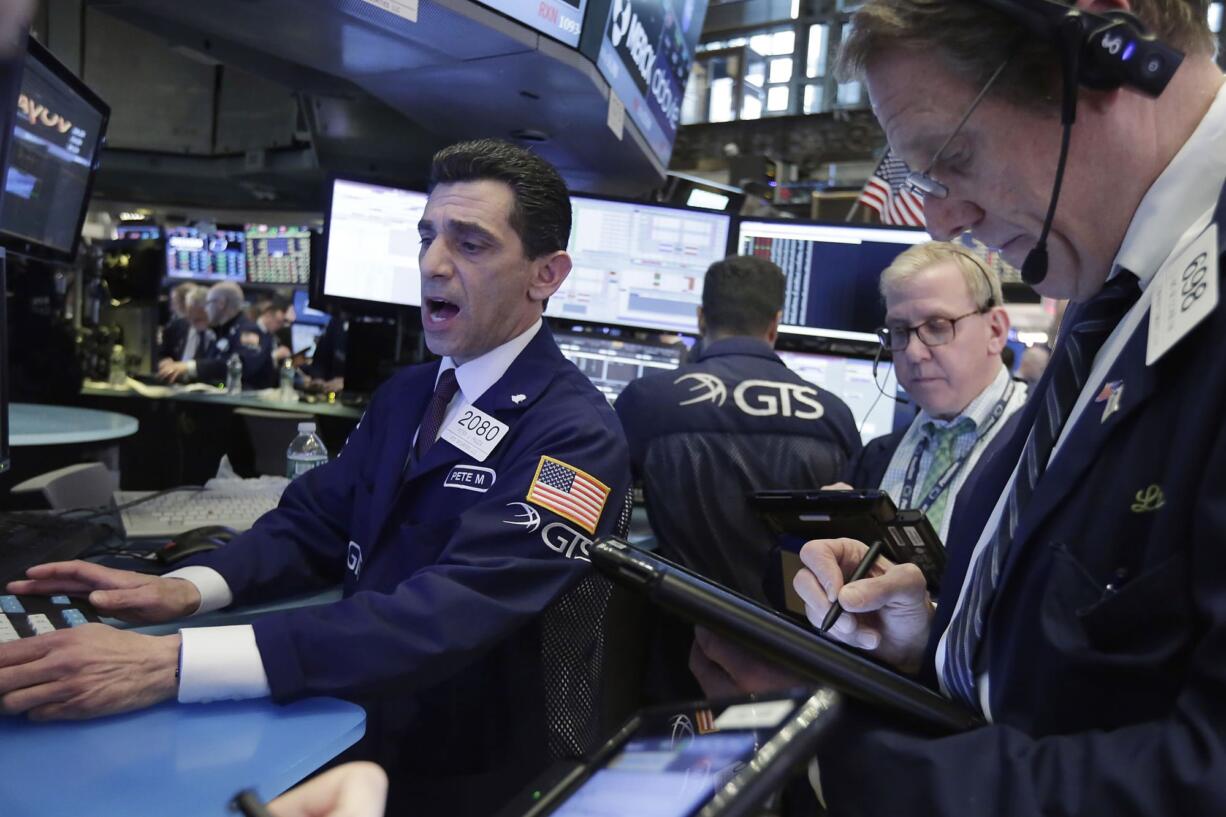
661, 776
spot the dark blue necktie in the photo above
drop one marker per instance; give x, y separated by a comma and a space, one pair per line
436, 410
1070, 367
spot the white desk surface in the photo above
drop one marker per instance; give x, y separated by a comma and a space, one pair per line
33, 424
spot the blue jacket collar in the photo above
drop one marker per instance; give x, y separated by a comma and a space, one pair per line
754, 347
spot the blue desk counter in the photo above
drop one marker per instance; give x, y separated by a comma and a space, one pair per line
184, 760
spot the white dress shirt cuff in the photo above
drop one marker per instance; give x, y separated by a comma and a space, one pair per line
191, 370
214, 592
220, 664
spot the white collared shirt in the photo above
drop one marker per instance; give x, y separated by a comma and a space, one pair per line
971, 444
224, 663
1174, 211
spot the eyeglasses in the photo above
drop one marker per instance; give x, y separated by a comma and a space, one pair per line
921, 182
932, 332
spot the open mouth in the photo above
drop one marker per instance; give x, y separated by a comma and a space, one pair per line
439, 310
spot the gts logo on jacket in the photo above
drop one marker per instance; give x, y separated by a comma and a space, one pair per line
757, 398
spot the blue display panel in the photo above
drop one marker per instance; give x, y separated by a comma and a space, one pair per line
206, 255
560, 19
645, 55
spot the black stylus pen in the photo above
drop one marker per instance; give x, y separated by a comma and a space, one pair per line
836, 609
249, 804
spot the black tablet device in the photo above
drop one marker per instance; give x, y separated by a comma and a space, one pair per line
798, 647
867, 515
692, 760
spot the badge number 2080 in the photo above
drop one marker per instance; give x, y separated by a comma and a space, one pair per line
475, 433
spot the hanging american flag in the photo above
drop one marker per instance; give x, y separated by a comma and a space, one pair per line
887, 194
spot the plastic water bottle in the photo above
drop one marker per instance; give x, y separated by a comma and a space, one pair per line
307, 451
287, 393
117, 373
234, 374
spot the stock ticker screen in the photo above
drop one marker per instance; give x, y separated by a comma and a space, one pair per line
278, 254
560, 19
198, 254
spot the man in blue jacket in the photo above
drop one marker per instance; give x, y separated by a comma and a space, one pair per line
460, 509
1086, 611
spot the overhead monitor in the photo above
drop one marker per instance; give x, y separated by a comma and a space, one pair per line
138, 232
645, 55
851, 380
202, 254
278, 254
372, 244
10, 83
613, 364
639, 265
560, 19
57, 138
304, 313
832, 270
304, 337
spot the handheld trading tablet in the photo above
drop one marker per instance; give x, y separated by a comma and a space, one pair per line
769, 633
868, 515
694, 760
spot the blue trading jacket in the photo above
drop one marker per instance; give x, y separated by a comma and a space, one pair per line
446, 566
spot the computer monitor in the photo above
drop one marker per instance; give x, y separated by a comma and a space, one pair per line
197, 254
639, 265
277, 254
304, 337
832, 270
372, 245
306, 314
612, 364
138, 232
851, 380
10, 85
57, 138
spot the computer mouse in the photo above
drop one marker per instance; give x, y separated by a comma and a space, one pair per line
193, 542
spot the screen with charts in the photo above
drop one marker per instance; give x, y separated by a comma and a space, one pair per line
278, 254
611, 364
56, 138
372, 243
639, 265
206, 255
832, 269
304, 337
851, 380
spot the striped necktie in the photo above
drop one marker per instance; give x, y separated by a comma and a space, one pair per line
436, 410
1070, 367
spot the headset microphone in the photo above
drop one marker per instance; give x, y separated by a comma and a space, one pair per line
876, 360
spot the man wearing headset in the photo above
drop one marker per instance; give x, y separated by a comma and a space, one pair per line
1084, 610
946, 328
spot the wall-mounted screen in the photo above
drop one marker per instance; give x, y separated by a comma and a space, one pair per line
639, 265
278, 254
645, 55
373, 243
832, 269
560, 19
206, 255
851, 380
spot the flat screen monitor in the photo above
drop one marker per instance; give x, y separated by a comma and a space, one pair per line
277, 254
304, 337
832, 270
645, 54
613, 364
57, 139
197, 254
372, 244
560, 19
138, 232
639, 265
851, 380
304, 313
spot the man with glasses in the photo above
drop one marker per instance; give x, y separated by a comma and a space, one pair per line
946, 328
1083, 610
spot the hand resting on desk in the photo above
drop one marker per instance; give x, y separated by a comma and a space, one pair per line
123, 594
94, 670
356, 789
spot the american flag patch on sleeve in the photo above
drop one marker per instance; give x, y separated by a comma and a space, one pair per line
569, 492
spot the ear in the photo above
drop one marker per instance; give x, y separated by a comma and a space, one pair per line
998, 328
548, 273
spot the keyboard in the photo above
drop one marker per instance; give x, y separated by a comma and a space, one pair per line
29, 538
28, 616
167, 516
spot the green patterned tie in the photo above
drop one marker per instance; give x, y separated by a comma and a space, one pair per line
943, 440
